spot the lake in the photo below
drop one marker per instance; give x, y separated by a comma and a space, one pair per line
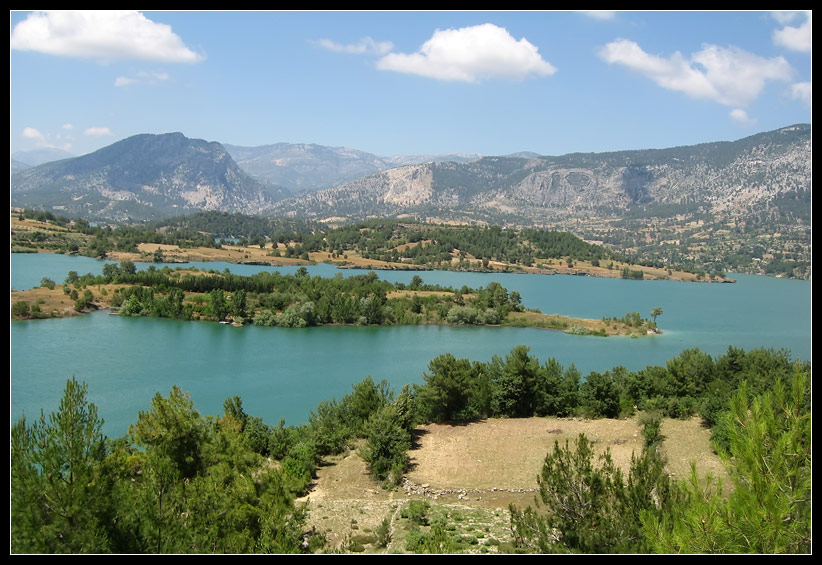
285, 373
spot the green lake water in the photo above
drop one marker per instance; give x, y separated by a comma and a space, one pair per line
285, 373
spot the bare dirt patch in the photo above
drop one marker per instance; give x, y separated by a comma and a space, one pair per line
475, 471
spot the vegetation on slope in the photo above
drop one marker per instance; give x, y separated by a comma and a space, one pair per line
386, 244
179, 482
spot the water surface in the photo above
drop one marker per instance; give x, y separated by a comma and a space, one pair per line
285, 373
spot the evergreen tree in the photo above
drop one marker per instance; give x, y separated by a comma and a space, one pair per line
768, 509
60, 500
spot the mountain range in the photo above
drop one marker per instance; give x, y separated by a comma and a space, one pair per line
142, 177
306, 167
155, 176
731, 178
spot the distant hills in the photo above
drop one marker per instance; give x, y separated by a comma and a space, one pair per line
728, 177
302, 167
142, 177
35, 157
22, 160
156, 176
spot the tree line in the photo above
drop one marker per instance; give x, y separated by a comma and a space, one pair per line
295, 300
179, 482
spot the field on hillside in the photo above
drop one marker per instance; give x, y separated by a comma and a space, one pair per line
469, 474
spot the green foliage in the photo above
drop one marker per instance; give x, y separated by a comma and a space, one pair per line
768, 509
651, 423
450, 386
181, 483
383, 533
590, 506
21, 309
334, 424
416, 511
60, 494
385, 451
173, 430
515, 379
436, 541
599, 396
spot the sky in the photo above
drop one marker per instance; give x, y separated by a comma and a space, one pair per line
408, 82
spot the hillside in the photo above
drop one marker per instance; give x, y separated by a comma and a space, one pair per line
306, 167
142, 177
731, 177
742, 206
470, 474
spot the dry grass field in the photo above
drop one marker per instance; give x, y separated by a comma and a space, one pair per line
471, 473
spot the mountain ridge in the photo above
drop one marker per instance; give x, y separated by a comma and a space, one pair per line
724, 176
307, 167
146, 176
149, 176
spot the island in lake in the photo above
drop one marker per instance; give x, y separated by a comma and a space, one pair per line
298, 300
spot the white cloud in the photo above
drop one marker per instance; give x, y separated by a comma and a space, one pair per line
46, 140
156, 77
97, 131
67, 126
730, 76
124, 81
471, 54
31, 133
100, 34
795, 38
143, 76
741, 116
802, 91
365, 45
599, 14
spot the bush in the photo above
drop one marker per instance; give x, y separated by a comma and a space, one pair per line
20, 309
386, 448
416, 511
651, 423
383, 533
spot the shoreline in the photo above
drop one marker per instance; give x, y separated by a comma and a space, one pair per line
57, 303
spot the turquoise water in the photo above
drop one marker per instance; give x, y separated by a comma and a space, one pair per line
285, 373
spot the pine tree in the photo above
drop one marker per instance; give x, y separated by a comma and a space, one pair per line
60, 500
768, 507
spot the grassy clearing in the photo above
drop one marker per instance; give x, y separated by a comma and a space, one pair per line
469, 474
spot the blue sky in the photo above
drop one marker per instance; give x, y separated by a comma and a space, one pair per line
420, 82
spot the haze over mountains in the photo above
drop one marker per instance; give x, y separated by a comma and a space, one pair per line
156, 176
302, 167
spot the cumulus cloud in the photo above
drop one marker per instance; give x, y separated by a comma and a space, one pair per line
729, 76
100, 34
796, 38
32, 133
366, 45
471, 54
47, 139
802, 91
97, 131
741, 116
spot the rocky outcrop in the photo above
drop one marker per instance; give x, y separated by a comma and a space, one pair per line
145, 176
